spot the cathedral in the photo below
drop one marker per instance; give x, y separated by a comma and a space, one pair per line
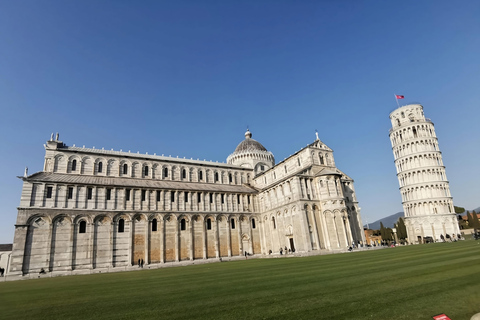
94, 210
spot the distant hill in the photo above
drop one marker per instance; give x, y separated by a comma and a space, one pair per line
388, 222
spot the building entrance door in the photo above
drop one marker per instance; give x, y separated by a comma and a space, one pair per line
292, 245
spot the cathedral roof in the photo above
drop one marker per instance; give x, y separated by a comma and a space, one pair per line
249, 144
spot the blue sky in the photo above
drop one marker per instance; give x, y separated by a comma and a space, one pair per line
185, 78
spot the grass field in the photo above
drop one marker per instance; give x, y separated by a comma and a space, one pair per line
414, 282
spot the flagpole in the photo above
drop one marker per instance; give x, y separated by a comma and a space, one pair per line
396, 100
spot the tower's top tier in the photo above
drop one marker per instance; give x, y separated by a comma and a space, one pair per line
405, 115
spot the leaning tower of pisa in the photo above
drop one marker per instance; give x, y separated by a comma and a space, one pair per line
426, 198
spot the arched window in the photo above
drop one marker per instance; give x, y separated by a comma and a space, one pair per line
183, 224
398, 122
230, 179
165, 172
100, 167
403, 115
184, 174
209, 224
83, 227
232, 222
125, 168
273, 223
121, 225
321, 159
200, 175
154, 225
145, 171
74, 165
216, 176
253, 223
298, 160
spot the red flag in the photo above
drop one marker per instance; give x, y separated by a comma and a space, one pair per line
399, 97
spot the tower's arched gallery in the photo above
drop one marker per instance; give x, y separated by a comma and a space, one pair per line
426, 198
93, 210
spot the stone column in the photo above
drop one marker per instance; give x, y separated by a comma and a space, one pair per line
306, 229
72, 234
90, 248
240, 242
229, 240
177, 238
48, 256
162, 239
315, 230
191, 238
147, 242
204, 239
18, 251
111, 233
217, 249
251, 235
348, 231
325, 231
130, 225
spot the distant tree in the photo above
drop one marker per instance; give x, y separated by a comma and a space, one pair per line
470, 220
401, 229
459, 209
389, 234
476, 222
383, 232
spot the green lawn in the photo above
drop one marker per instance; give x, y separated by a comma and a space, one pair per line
414, 282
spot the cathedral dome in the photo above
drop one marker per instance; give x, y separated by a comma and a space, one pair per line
249, 144
252, 154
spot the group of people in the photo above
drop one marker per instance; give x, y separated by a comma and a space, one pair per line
286, 250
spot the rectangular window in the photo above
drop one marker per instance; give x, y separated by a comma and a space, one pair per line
186, 197
211, 197
144, 195
238, 199
223, 198
49, 192
127, 194
158, 195
70, 193
199, 197
232, 223
89, 193
172, 196
109, 194
248, 199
